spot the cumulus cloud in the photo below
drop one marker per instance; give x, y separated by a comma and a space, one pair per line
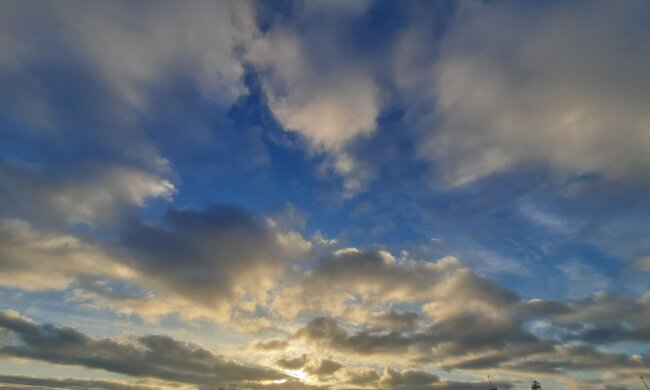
328, 105
376, 277
219, 258
467, 322
150, 356
220, 263
552, 85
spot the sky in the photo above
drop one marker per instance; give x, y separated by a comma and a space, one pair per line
344, 194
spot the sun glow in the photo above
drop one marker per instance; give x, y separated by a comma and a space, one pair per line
299, 374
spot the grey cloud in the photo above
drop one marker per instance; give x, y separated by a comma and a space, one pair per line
579, 358
460, 308
129, 46
328, 333
271, 344
604, 318
293, 363
219, 257
420, 379
360, 376
29, 382
396, 320
154, 356
408, 378
454, 385
94, 193
324, 368
468, 322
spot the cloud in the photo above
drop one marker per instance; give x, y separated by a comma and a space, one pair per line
92, 194
191, 263
218, 258
35, 260
324, 368
327, 96
80, 88
150, 356
360, 376
326, 332
375, 277
29, 382
271, 344
293, 363
542, 85
467, 322
641, 264
131, 49
407, 378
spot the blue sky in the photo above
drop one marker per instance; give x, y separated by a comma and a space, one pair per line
412, 195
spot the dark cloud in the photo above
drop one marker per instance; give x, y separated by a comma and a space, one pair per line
153, 356
360, 376
566, 358
271, 344
70, 383
396, 320
218, 257
324, 368
293, 363
408, 378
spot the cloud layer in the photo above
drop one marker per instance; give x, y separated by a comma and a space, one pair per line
409, 195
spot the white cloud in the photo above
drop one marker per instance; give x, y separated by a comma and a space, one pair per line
329, 104
329, 100
557, 85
